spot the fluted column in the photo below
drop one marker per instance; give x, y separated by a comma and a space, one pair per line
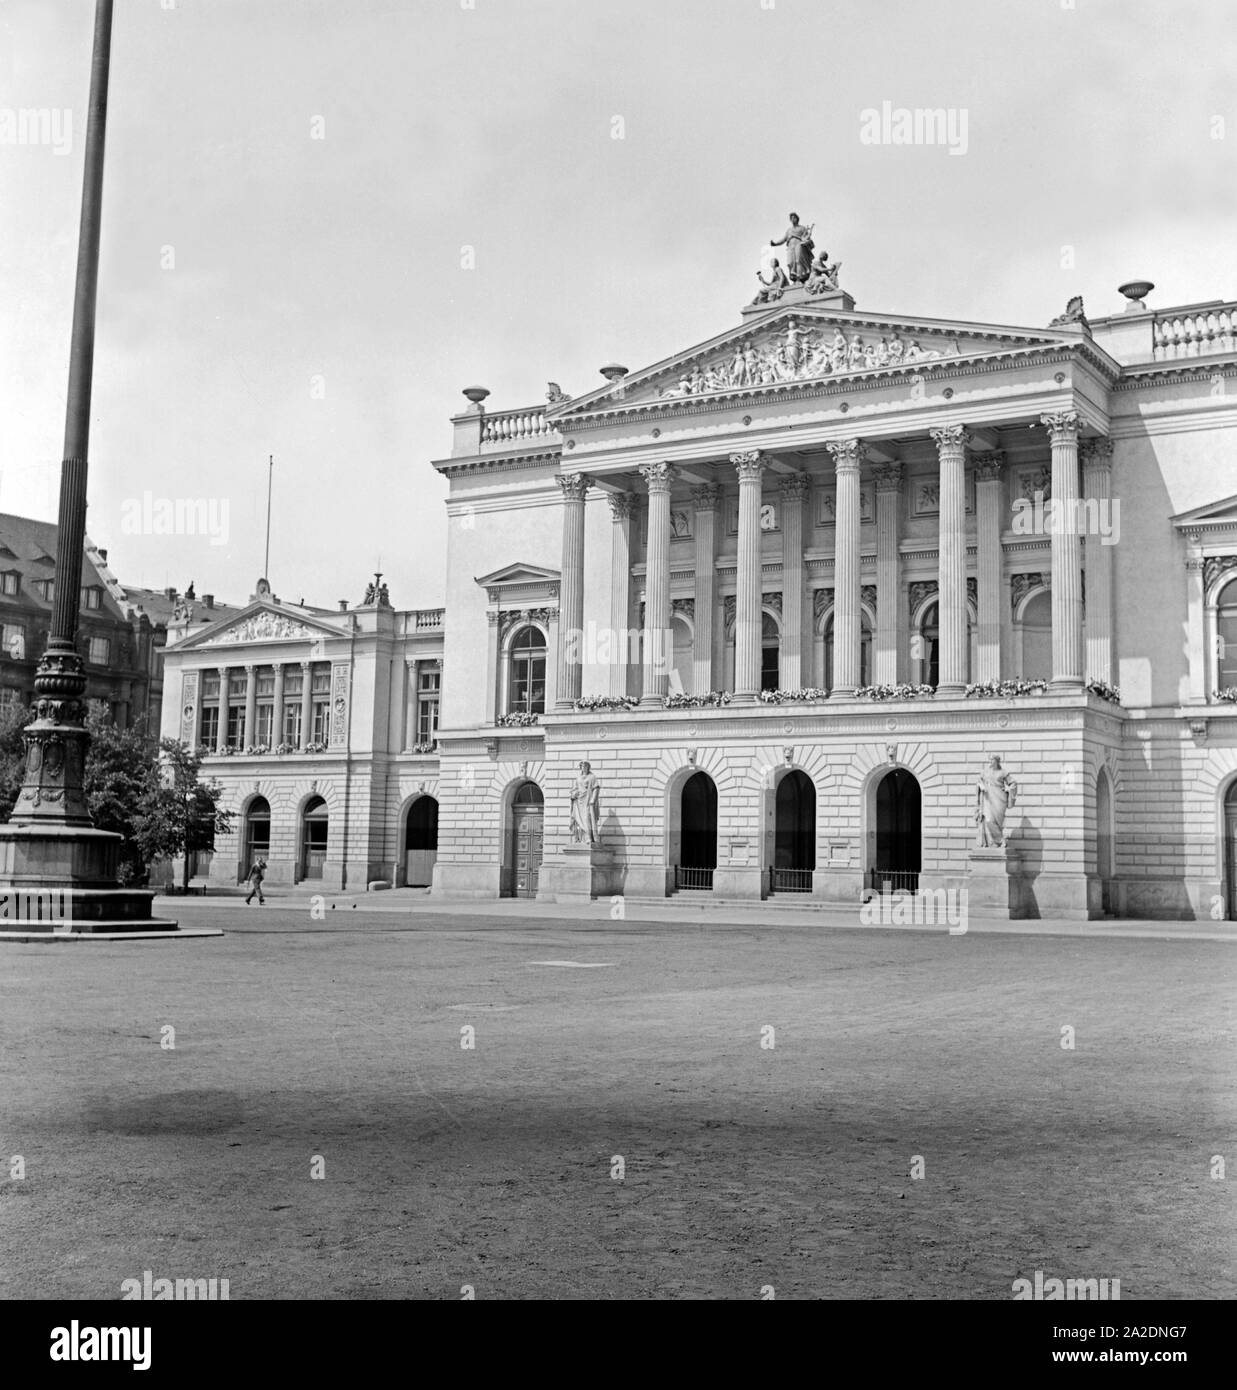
1097, 490
307, 703
1062, 429
410, 703
951, 442
888, 579
570, 666
622, 505
790, 664
221, 739
988, 469
656, 680
251, 703
750, 466
847, 633
706, 500
277, 707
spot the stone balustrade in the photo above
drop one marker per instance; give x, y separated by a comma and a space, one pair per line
428, 619
1198, 334
514, 426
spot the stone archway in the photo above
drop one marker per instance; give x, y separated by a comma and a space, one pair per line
794, 834
420, 842
898, 842
692, 832
1230, 851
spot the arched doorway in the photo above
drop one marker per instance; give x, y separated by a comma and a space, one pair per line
1103, 839
697, 856
898, 833
315, 823
1230, 849
794, 835
1036, 631
257, 837
527, 834
421, 843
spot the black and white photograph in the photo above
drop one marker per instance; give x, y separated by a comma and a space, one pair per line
619, 666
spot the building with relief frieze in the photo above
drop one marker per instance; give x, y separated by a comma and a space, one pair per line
787, 590
322, 727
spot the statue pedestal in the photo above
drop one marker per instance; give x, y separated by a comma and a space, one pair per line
578, 873
994, 884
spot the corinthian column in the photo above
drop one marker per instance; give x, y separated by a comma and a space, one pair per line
889, 600
790, 665
221, 739
251, 703
988, 469
750, 466
657, 586
706, 501
1062, 427
570, 666
951, 442
621, 506
846, 593
1097, 490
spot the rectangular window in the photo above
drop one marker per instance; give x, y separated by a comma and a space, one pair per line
236, 726
238, 687
429, 683
14, 641
209, 727
10, 581
92, 597
266, 682
100, 651
265, 719
9, 695
210, 685
322, 722
293, 683
292, 725
320, 690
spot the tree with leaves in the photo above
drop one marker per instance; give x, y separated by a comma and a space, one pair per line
181, 815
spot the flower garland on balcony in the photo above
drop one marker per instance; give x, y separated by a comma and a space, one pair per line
1105, 691
1228, 694
425, 747
518, 720
710, 698
606, 702
895, 692
787, 697
997, 690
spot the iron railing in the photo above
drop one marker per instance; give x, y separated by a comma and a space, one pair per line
692, 878
790, 880
894, 880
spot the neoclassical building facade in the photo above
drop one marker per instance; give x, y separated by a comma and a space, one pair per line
786, 591
322, 728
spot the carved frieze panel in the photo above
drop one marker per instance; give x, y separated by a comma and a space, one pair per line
827, 501
339, 704
189, 709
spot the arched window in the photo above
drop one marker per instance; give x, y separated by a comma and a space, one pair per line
1226, 637
770, 653
865, 652
526, 693
1035, 627
928, 647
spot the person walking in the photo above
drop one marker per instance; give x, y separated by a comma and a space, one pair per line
256, 875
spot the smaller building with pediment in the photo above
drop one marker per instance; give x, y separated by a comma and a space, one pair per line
322, 727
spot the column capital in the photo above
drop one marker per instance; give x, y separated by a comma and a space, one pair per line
950, 438
1062, 426
574, 486
656, 476
988, 467
622, 504
889, 477
305, 665
707, 498
1096, 453
845, 453
795, 487
749, 465
250, 668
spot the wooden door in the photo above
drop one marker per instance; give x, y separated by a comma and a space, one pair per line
526, 832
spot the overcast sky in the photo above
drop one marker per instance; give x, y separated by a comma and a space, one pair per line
615, 167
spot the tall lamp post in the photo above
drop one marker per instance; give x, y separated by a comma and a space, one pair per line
57, 872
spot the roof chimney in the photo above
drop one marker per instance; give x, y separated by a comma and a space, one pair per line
103, 555
170, 594
208, 600
343, 605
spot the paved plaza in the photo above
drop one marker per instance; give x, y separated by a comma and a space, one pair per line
674, 1108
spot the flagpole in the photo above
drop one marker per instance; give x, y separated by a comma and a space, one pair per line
270, 479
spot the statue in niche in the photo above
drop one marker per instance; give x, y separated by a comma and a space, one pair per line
585, 806
797, 240
995, 793
774, 287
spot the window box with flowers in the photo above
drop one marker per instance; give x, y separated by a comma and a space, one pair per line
1105, 691
895, 692
715, 698
518, 720
606, 702
282, 748
793, 697
999, 690
425, 748
1228, 694
257, 750
315, 748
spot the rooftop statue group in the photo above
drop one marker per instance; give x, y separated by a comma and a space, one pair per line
796, 352
814, 272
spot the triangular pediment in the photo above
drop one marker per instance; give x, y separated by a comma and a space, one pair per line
1212, 516
793, 347
262, 622
519, 573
